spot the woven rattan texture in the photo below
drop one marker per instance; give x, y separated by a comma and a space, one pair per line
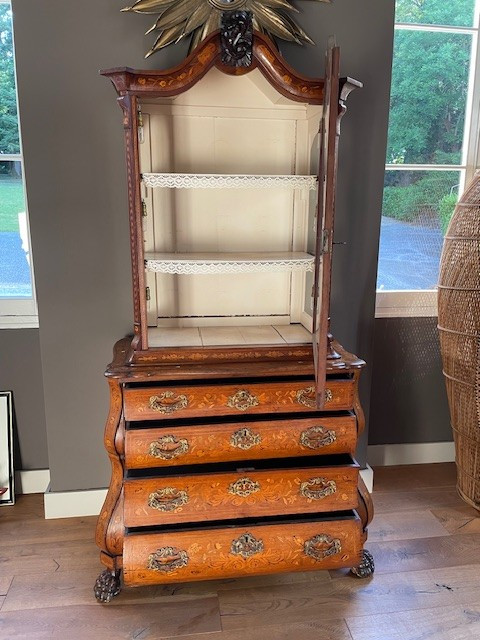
459, 327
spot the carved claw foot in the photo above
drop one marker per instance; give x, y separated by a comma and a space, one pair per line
366, 567
107, 586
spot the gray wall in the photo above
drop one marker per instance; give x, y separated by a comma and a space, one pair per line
20, 372
75, 174
409, 400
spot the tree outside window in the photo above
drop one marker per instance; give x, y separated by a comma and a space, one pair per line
428, 138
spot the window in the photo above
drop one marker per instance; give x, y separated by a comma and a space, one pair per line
17, 295
432, 146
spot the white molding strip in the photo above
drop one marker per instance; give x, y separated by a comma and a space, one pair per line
415, 453
70, 504
34, 481
367, 477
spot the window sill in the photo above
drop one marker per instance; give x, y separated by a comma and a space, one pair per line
406, 304
19, 322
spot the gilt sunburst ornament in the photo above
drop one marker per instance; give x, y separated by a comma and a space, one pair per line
178, 19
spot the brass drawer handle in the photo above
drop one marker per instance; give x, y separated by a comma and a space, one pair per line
168, 447
167, 559
308, 397
167, 402
244, 487
245, 439
317, 437
242, 400
167, 499
322, 546
246, 546
317, 488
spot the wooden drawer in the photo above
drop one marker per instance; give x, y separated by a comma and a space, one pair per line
152, 403
239, 494
196, 444
203, 554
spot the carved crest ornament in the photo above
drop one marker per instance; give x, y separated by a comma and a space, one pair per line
197, 19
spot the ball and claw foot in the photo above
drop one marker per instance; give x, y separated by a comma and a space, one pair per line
366, 567
107, 585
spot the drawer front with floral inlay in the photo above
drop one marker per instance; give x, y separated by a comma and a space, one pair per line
239, 441
270, 397
239, 551
242, 494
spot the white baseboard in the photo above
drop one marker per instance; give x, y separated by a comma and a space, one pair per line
367, 477
35, 481
414, 453
70, 504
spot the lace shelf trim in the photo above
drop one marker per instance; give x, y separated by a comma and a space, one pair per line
185, 266
218, 181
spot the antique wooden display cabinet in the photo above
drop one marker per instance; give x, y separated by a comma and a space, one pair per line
234, 415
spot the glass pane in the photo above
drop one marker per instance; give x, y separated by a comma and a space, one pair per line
417, 207
428, 98
9, 139
15, 279
458, 13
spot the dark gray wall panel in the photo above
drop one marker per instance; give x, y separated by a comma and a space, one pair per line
21, 372
76, 186
409, 400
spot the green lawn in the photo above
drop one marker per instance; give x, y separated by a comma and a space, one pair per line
11, 202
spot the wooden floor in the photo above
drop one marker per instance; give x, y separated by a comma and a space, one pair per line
425, 540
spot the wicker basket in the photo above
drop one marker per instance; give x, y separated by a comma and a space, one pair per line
459, 327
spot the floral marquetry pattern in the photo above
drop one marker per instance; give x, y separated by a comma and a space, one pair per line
228, 400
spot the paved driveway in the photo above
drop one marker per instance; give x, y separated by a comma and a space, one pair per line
14, 269
409, 256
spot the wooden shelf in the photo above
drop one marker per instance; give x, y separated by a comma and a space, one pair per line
221, 181
210, 263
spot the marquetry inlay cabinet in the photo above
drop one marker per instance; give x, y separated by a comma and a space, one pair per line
234, 415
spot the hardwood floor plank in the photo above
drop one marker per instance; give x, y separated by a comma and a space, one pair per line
404, 526
15, 532
145, 621
449, 623
425, 540
412, 477
26, 564
420, 500
313, 630
349, 597
29, 506
425, 553
460, 519
73, 588
5, 582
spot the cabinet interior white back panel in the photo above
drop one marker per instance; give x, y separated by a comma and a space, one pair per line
226, 125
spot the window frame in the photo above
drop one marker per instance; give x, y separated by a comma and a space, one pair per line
423, 303
18, 313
